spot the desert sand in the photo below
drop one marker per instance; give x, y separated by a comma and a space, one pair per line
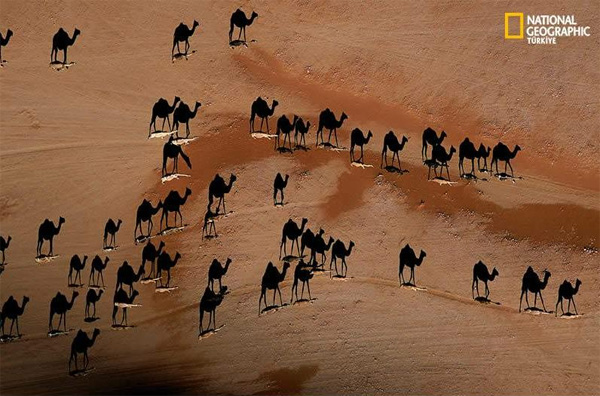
74, 144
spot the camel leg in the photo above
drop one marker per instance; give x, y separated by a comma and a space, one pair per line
487, 290
91, 278
101, 276
262, 120
267, 122
168, 277
335, 134
51, 247
559, 301
302, 293
240, 35
512, 173
201, 315
262, 294
87, 309
12, 323
65, 57
86, 360
542, 299
473, 165
19, 332
362, 160
94, 314
280, 300
572, 299
274, 292
244, 34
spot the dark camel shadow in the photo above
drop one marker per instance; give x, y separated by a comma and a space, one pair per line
91, 320
122, 327
484, 300
393, 169
209, 332
273, 308
506, 176
292, 258
338, 276
182, 55
570, 315
283, 150
237, 43
304, 300
76, 285
301, 147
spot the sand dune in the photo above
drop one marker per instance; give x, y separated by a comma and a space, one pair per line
74, 144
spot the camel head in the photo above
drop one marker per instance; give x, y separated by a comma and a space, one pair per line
8, 240
85, 258
286, 265
96, 332
161, 245
578, 283
254, 15
232, 178
74, 295
287, 177
321, 231
307, 125
422, 255
274, 104
159, 205
198, 104
452, 150
369, 135
188, 192
100, 293
119, 222
442, 136
304, 221
223, 290
495, 272
176, 100
516, 150
196, 23
177, 257
295, 120
228, 261
26, 299
61, 220
404, 139
343, 117
9, 34
134, 295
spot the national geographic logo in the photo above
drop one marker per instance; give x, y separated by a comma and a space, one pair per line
542, 29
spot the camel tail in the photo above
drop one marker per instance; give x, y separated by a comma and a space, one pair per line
186, 159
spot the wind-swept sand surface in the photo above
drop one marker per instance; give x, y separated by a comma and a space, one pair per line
74, 144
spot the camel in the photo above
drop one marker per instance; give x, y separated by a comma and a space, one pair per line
217, 189
339, 251
111, 229
150, 253
126, 276
47, 232
440, 158
4, 243
12, 311
99, 267
60, 306
481, 273
173, 203
161, 109
286, 127
409, 259
76, 265
279, 185
183, 115
144, 213
61, 42
183, 33
467, 150
483, 152
165, 263
327, 120
80, 345
121, 297
4, 41
532, 283
173, 151
209, 223
216, 272
303, 274
302, 129
209, 303
565, 291
91, 299
320, 247
239, 19
261, 109
308, 240
357, 138
501, 152
270, 281
390, 142
430, 137
292, 232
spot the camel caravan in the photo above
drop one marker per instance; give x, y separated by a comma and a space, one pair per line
311, 247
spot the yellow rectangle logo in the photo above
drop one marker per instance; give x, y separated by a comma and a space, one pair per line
507, 17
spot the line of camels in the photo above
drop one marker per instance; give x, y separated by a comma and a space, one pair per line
314, 244
61, 41
439, 159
